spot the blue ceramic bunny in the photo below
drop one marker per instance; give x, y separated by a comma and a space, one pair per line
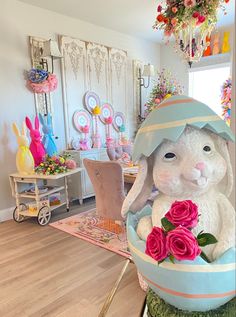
48, 140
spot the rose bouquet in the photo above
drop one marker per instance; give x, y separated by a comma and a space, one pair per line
175, 239
55, 165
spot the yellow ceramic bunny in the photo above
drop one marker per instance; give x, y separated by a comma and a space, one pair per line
226, 45
24, 158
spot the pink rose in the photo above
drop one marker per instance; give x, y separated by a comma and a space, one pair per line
156, 244
201, 19
183, 213
195, 14
182, 244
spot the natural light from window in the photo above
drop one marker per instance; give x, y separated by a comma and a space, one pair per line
205, 85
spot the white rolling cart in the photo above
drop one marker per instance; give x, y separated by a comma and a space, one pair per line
43, 210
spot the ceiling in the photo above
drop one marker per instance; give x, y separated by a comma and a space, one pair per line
133, 17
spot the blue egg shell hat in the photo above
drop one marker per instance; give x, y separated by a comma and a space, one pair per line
169, 120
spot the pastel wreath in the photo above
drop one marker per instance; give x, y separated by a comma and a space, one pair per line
40, 81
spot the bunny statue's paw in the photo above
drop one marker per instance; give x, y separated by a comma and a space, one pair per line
144, 227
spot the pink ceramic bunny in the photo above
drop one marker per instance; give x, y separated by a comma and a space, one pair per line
36, 146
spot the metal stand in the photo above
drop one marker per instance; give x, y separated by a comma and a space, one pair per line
111, 295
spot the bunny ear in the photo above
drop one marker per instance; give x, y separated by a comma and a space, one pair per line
36, 122
41, 119
49, 120
23, 128
15, 129
28, 123
228, 181
142, 188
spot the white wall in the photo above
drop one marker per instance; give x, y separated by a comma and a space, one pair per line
171, 61
17, 22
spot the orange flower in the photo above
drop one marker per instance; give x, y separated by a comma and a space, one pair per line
174, 21
174, 9
166, 20
160, 18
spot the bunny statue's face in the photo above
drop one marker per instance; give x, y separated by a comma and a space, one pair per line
190, 166
35, 135
22, 140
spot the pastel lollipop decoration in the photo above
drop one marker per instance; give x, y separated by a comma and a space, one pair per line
121, 132
84, 143
82, 122
92, 103
109, 139
107, 114
96, 136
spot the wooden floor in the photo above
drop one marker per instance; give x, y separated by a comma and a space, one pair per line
46, 272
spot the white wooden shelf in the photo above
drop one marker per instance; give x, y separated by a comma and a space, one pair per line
49, 192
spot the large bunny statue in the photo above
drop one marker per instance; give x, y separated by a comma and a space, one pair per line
182, 150
48, 141
36, 146
24, 158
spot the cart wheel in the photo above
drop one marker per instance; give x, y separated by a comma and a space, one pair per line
16, 216
44, 216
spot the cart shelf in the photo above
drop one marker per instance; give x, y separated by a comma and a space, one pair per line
49, 192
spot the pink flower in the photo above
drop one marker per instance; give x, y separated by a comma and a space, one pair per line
108, 120
182, 244
71, 164
85, 129
159, 8
195, 14
183, 213
157, 101
156, 244
174, 9
52, 82
168, 32
174, 21
201, 19
189, 3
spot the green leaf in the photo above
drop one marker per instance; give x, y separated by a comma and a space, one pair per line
204, 239
204, 257
167, 225
172, 259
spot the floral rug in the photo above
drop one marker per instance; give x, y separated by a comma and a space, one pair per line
102, 232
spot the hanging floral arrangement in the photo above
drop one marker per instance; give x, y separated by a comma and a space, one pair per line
226, 100
165, 87
41, 81
179, 14
191, 22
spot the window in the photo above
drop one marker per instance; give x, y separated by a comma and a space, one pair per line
205, 85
